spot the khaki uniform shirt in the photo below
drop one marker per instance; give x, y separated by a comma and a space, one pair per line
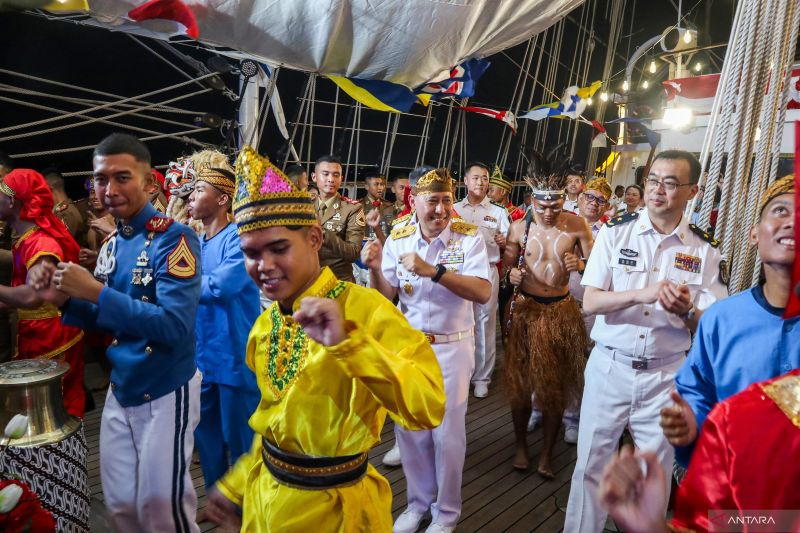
387, 214
72, 218
343, 226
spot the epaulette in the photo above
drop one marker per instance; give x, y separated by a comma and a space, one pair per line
158, 224
350, 201
706, 236
61, 207
405, 231
622, 219
403, 218
464, 228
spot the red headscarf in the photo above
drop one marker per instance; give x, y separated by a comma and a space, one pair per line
36, 205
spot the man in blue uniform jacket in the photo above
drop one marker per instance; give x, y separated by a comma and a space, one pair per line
144, 292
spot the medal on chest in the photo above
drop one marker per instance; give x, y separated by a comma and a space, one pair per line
142, 274
687, 263
408, 288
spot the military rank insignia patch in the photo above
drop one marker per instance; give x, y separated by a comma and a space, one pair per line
181, 262
688, 263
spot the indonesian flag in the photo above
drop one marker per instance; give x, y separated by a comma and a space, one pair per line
698, 93
173, 10
793, 306
505, 116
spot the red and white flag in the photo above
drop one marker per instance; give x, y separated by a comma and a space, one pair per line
698, 93
505, 116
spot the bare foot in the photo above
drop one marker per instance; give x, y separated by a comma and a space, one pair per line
544, 469
521, 461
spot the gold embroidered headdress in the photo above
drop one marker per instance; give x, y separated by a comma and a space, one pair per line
785, 185
222, 179
600, 185
497, 179
437, 180
265, 197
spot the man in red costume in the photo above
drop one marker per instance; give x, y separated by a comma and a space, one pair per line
738, 477
26, 205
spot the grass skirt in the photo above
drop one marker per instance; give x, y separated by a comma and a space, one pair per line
545, 354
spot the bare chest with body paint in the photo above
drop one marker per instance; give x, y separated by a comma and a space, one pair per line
544, 259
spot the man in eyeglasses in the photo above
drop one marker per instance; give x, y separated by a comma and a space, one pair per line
650, 275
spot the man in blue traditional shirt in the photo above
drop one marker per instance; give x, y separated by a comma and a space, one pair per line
743, 339
229, 305
144, 292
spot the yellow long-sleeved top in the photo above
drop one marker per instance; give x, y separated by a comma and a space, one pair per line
332, 401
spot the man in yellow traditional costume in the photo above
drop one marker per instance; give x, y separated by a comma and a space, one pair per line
331, 358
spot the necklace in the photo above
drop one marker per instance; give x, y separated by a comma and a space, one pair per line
288, 347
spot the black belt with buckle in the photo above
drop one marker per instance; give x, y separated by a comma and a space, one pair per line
313, 473
639, 364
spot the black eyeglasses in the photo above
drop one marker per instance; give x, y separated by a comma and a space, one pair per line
592, 199
668, 185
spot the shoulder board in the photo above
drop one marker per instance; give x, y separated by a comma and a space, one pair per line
704, 235
61, 207
158, 224
464, 228
403, 218
622, 219
405, 231
350, 201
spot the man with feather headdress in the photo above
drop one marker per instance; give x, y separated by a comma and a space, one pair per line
180, 178
546, 339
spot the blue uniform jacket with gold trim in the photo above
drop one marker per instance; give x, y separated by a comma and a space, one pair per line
149, 305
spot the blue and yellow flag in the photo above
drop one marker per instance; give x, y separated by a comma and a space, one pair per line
377, 94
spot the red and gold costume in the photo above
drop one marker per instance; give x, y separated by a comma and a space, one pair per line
41, 335
737, 468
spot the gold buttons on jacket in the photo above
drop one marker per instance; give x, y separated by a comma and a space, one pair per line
148, 350
114, 342
146, 397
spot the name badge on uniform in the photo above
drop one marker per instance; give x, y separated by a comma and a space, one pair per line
627, 262
689, 263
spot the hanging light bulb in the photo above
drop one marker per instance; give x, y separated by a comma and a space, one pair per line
625, 86
653, 67
698, 67
645, 84
687, 37
604, 96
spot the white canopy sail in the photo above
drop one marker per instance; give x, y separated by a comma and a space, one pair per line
409, 42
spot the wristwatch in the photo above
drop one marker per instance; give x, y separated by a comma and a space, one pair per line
440, 270
689, 314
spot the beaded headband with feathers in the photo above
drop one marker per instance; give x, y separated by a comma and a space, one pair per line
547, 174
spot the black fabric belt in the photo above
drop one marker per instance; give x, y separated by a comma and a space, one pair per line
312, 473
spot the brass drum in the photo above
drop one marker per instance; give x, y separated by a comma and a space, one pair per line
51, 457
32, 387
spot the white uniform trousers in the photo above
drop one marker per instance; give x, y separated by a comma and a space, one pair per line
615, 396
145, 455
486, 332
433, 460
